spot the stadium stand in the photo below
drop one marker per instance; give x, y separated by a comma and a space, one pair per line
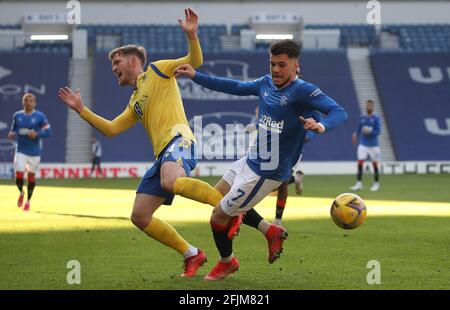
416, 104
433, 37
46, 47
155, 38
351, 35
45, 73
421, 46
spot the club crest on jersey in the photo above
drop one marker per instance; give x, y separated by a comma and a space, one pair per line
33, 120
284, 100
138, 110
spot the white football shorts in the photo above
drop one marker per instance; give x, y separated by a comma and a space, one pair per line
367, 151
22, 162
247, 188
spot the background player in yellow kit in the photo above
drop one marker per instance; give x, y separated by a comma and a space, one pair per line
156, 102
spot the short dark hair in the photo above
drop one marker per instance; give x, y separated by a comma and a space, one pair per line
130, 49
289, 47
370, 100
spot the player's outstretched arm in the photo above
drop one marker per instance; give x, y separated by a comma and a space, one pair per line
109, 128
184, 70
190, 27
194, 56
71, 99
223, 85
190, 24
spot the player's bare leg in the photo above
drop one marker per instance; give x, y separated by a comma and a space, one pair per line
170, 171
173, 179
227, 263
223, 187
234, 225
253, 219
142, 216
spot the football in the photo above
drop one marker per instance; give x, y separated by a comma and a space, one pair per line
348, 211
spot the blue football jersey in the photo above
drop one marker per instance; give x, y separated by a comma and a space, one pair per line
24, 123
310, 135
372, 122
280, 133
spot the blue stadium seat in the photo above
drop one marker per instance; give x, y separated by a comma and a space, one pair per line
411, 37
430, 37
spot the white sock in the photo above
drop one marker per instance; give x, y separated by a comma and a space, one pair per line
191, 251
277, 222
227, 259
263, 226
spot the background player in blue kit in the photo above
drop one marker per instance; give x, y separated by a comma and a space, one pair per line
283, 99
28, 127
368, 131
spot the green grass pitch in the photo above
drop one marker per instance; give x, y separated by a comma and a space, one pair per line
407, 231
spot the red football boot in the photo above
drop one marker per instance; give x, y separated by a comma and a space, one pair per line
275, 236
221, 270
192, 263
27, 206
20, 200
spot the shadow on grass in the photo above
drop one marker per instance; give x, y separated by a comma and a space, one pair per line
317, 255
83, 215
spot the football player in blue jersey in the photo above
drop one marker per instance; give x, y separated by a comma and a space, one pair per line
283, 101
296, 177
28, 127
369, 129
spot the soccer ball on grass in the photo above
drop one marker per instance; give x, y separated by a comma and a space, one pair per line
348, 211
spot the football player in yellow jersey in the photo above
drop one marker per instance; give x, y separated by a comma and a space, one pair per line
156, 103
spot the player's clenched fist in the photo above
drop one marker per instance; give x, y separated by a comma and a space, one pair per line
312, 124
185, 70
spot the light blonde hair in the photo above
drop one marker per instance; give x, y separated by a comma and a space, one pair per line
28, 95
130, 49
